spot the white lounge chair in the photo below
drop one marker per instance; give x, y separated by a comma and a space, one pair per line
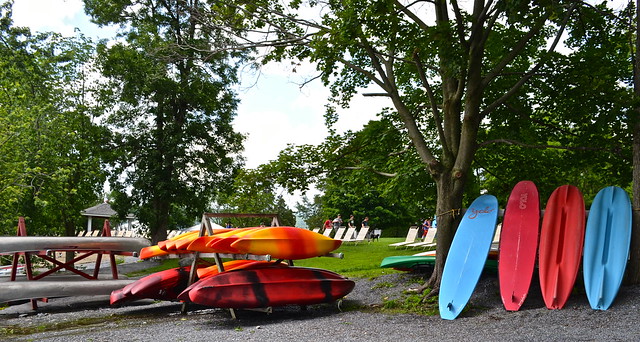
362, 235
349, 234
411, 237
327, 232
428, 240
496, 236
339, 233
316, 230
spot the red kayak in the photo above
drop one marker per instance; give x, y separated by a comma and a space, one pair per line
236, 265
518, 244
268, 287
164, 285
561, 241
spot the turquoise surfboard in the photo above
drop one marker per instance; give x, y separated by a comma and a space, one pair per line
606, 246
467, 256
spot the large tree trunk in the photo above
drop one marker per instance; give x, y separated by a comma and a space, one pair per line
633, 270
161, 220
448, 208
69, 230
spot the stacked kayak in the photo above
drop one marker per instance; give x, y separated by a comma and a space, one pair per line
266, 285
289, 243
168, 284
244, 283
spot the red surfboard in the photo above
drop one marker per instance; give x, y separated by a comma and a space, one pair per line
518, 244
561, 241
268, 287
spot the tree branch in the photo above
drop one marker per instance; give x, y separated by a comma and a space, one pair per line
385, 174
529, 74
541, 147
432, 100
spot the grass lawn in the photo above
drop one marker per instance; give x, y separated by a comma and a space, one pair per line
360, 261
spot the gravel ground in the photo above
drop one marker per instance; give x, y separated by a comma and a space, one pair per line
147, 320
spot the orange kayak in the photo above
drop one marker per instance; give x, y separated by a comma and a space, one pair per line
176, 245
223, 245
170, 244
286, 243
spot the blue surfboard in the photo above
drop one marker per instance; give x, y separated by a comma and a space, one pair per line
467, 256
606, 246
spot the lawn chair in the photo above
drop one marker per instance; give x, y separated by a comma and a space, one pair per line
428, 240
340, 233
349, 234
496, 236
362, 235
411, 237
327, 232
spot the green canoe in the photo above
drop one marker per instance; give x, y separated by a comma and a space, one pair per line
423, 262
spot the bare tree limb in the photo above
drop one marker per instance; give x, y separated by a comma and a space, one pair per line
385, 174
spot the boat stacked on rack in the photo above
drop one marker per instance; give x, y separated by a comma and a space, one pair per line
243, 283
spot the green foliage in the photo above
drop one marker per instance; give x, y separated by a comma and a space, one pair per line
412, 303
50, 161
311, 213
577, 131
370, 173
254, 194
171, 107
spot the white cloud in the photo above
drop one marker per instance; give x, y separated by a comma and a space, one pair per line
275, 111
61, 16
47, 15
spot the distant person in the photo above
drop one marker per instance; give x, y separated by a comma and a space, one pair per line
370, 234
337, 222
352, 222
229, 225
426, 225
327, 224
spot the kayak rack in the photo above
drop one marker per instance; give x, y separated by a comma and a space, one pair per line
35, 288
205, 227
